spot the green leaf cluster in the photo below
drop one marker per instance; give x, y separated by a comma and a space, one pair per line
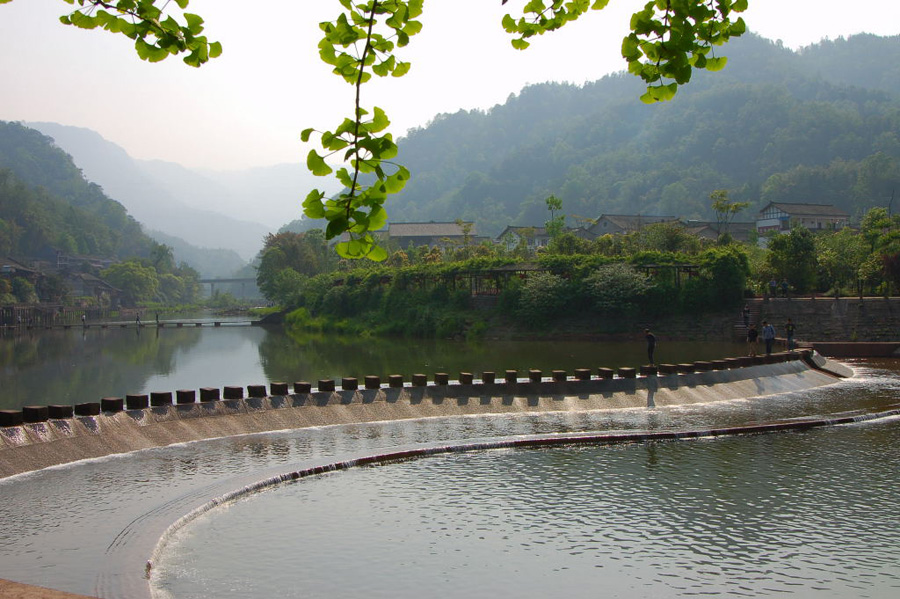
668, 39
671, 38
359, 43
156, 35
540, 16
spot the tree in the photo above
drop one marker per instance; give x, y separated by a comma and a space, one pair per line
841, 254
664, 237
617, 287
304, 253
156, 34
24, 291
556, 224
793, 257
668, 40
162, 258
725, 210
137, 281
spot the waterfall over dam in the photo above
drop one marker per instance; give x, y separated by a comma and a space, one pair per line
123, 427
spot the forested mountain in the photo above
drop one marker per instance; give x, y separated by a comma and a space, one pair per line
821, 125
151, 200
210, 263
46, 204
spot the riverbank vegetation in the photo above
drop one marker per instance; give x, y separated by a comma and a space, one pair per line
643, 276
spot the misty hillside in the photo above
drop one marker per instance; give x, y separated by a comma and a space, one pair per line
210, 263
819, 125
46, 204
270, 195
149, 199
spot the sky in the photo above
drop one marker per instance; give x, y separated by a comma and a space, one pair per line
247, 108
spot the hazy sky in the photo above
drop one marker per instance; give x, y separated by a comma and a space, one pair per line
247, 107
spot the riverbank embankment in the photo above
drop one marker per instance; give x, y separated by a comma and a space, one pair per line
844, 319
138, 422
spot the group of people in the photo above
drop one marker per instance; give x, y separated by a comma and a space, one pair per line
774, 286
768, 334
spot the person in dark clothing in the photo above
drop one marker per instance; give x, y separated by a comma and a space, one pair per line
768, 335
746, 314
752, 336
789, 329
651, 344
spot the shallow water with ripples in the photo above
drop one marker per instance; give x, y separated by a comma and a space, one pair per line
805, 514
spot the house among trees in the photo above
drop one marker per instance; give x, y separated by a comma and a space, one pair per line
87, 285
781, 216
431, 234
610, 224
71, 261
739, 231
11, 269
534, 237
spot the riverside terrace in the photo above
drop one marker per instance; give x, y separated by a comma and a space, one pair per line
37, 437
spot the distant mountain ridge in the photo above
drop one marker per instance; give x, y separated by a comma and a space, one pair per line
47, 206
816, 125
148, 199
819, 125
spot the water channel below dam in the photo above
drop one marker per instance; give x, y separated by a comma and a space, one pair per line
804, 514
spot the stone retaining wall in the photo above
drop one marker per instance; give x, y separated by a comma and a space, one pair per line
829, 319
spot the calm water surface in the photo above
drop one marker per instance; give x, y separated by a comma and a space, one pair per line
77, 365
807, 515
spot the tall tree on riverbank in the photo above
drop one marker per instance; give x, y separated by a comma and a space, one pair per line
793, 257
725, 209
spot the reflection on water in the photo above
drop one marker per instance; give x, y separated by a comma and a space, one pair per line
89, 527
810, 514
78, 365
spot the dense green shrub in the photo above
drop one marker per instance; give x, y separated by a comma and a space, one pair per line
542, 297
617, 288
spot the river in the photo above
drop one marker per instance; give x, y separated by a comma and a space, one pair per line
44, 367
806, 514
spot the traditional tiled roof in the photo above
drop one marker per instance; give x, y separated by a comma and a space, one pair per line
536, 231
429, 229
633, 222
807, 209
8, 264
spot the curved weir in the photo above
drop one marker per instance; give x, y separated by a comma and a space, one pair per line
45, 442
524, 413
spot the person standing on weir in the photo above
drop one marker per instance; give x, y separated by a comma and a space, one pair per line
651, 344
752, 335
768, 335
789, 329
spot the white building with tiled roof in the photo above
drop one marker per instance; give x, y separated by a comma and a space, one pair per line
781, 216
